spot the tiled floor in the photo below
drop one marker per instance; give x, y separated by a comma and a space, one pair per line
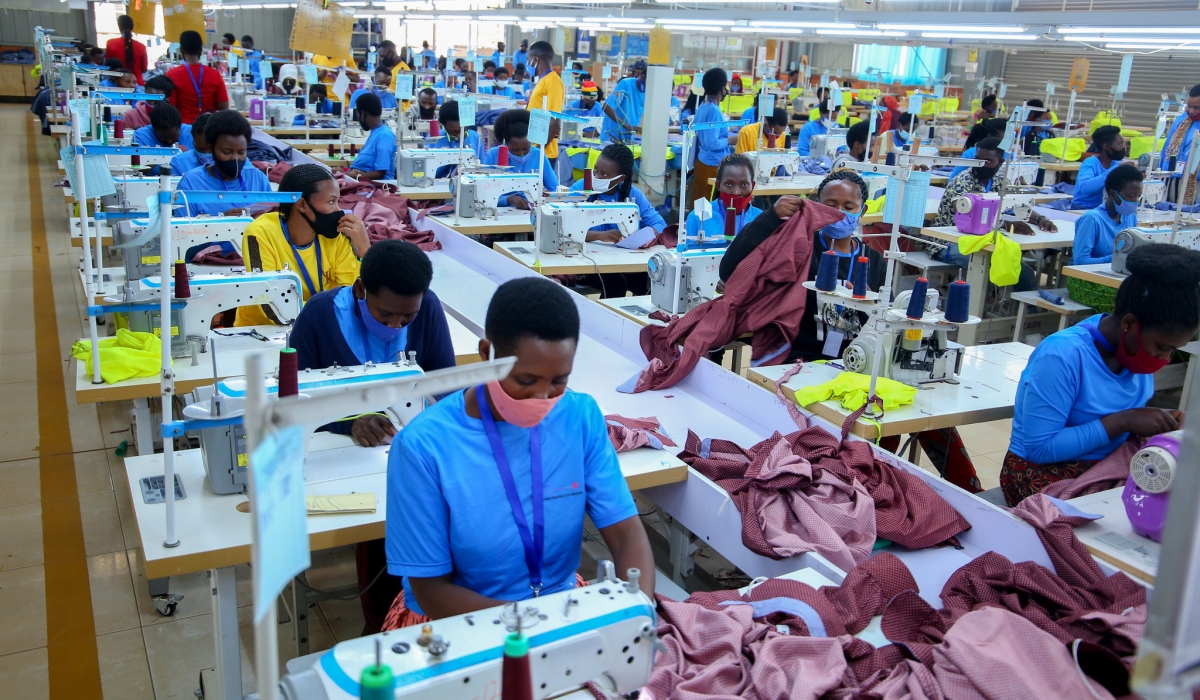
141, 654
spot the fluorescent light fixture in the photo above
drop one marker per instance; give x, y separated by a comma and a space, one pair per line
550, 20
500, 18
575, 2
1006, 29
1006, 37
451, 18
1155, 47
858, 32
768, 30
698, 22
1129, 30
1136, 39
363, 16
277, 6
632, 21
249, 7
804, 25
353, 4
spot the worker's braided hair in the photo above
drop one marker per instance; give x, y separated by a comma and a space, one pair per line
530, 307
125, 24
734, 160
399, 266
844, 175
305, 179
1163, 288
623, 158
227, 122
164, 116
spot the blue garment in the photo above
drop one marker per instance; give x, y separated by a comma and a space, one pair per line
200, 180
576, 107
1094, 234
1064, 392
712, 145
648, 215
714, 226
471, 140
807, 133
356, 333
683, 115
428, 58
527, 163
321, 341
497, 58
107, 83
520, 57
379, 152
969, 153
254, 58
446, 510
386, 99
505, 91
1185, 149
189, 160
628, 101
145, 136
1089, 183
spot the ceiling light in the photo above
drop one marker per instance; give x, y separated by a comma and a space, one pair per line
1007, 29
249, 7
501, 18
768, 30
1136, 39
1155, 47
353, 4
276, 6
1129, 30
550, 20
858, 32
358, 15
1006, 37
698, 22
451, 18
806, 25
575, 2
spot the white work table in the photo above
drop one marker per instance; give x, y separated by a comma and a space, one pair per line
802, 183
636, 309
596, 258
439, 190
507, 220
1098, 273
1111, 539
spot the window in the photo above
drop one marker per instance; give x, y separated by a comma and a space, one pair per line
106, 28
446, 36
908, 65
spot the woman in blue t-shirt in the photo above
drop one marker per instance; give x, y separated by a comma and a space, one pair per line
462, 514
1085, 389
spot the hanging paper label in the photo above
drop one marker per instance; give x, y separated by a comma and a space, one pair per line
539, 126
915, 102
606, 72
478, 64
310, 75
79, 108
404, 87
835, 96
1126, 68
342, 84
838, 73
155, 218
264, 70
244, 66
703, 209
939, 91
1003, 91
766, 106
1010, 131
1049, 88
281, 513
824, 80
466, 112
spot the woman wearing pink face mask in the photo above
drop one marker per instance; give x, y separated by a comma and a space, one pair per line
487, 490
1085, 389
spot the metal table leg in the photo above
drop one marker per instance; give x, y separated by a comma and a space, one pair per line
680, 542
225, 636
300, 616
977, 277
1020, 322
142, 419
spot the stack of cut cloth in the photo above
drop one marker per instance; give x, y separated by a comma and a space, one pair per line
1005, 631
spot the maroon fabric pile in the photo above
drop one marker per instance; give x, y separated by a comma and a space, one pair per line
214, 255
764, 296
631, 433
384, 213
1109, 473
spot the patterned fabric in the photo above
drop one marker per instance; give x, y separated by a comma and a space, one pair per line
963, 183
1020, 478
763, 296
399, 616
1173, 148
631, 433
1102, 299
1108, 473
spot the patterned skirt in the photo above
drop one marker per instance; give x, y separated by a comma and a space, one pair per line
1020, 478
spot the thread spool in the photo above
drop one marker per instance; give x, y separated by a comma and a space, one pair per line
516, 680
183, 289
118, 128
108, 114
860, 277
502, 155
587, 180
353, 149
337, 109
770, 140
435, 129
331, 150
891, 159
289, 378
135, 160
787, 142
730, 223
299, 103
827, 272
957, 301
916, 305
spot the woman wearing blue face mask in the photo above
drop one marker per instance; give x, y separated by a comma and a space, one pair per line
228, 135
512, 127
1095, 230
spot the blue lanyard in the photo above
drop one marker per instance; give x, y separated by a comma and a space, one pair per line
533, 544
300, 263
853, 254
199, 97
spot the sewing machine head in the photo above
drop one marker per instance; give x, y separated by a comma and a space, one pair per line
132, 192
1022, 173
1147, 492
564, 225
698, 278
1131, 239
143, 260
417, 166
767, 161
827, 144
977, 213
478, 193
603, 633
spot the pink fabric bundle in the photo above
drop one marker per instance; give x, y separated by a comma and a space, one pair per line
631, 433
764, 296
1109, 473
385, 214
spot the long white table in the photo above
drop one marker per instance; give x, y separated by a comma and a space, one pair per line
596, 258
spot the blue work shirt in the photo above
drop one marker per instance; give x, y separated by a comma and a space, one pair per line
1185, 149
446, 508
251, 179
714, 226
520, 57
189, 160
497, 58
647, 215
145, 136
1064, 392
1089, 183
1094, 234
428, 58
712, 145
527, 163
969, 153
471, 141
628, 101
576, 107
254, 58
386, 99
505, 91
379, 152
807, 133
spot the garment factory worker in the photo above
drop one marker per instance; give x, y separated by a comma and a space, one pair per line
1096, 229
1180, 138
198, 89
377, 159
129, 51
165, 130
735, 188
288, 84
988, 107
427, 56
392, 63
777, 126
317, 95
126, 80
227, 134
199, 154
521, 55
689, 106
588, 104
520, 79
1089, 182
902, 135
454, 136
1085, 388
254, 59
499, 84
548, 88
387, 312
425, 107
856, 146
139, 115
712, 145
625, 106
228, 41
512, 129
1032, 136
458, 557
380, 90
814, 128
987, 128
498, 54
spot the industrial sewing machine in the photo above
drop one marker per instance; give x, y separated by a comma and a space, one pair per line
603, 633
698, 278
1131, 239
132, 193
1021, 173
478, 193
827, 144
416, 167
224, 448
142, 260
768, 161
564, 225
915, 355
1147, 492
977, 214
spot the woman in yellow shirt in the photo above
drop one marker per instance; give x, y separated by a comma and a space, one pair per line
314, 237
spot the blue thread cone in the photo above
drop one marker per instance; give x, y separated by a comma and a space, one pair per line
860, 278
957, 302
827, 273
916, 305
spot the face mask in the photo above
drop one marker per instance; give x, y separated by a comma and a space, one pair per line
1123, 207
828, 123
325, 224
382, 332
739, 204
501, 83
905, 135
229, 169
604, 185
1141, 362
984, 173
204, 158
523, 413
842, 229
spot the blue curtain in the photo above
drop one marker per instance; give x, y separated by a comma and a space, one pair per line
911, 65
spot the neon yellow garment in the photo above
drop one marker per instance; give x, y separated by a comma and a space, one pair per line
1006, 256
1104, 119
127, 355
1054, 148
852, 389
1141, 145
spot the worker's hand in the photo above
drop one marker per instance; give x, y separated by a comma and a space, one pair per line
720, 286
1046, 224
372, 430
354, 173
786, 206
1178, 416
236, 211
610, 236
353, 228
637, 130
1021, 228
1145, 422
516, 201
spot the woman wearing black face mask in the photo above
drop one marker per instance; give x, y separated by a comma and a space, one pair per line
314, 237
228, 134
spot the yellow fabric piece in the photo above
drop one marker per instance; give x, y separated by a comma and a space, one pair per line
1104, 119
874, 206
127, 355
869, 94
851, 388
843, 116
1141, 145
734, 105
1006, 256
1075, 148
795, 92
